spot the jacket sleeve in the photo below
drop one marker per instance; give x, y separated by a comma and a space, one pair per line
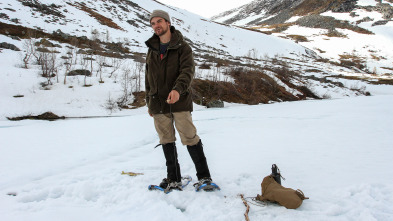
147, 85
186, 70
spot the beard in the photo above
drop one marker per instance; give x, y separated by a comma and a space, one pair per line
160, 31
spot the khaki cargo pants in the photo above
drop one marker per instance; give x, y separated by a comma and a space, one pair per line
184, 125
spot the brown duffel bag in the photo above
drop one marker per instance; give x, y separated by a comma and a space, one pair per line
274, 192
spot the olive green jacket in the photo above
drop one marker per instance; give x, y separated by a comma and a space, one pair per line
174, 72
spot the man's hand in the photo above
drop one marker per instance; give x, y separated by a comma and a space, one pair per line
173, 97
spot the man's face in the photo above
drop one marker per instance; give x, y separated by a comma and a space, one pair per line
160, 26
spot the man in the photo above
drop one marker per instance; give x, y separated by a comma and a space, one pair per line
169, 72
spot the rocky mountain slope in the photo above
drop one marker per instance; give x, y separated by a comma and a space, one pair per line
347, 31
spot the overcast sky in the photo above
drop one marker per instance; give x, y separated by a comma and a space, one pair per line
206, 8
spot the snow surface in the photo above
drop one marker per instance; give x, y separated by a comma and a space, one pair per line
338, 152
366, 2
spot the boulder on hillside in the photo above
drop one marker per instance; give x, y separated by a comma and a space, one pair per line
45, 116
9, 46
215, 104
44, 42
345, 6
380, 22
385, 9
79, 72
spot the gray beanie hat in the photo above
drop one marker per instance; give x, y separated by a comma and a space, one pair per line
161, 14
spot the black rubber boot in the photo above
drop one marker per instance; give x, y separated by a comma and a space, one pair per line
199, 159
172, 165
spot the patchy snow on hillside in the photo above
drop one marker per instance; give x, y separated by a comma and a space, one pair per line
367, 2
373, 49
233, 41
22, 93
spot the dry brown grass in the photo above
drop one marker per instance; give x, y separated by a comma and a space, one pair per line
335, 33
100, 18
80, 42
352, 60
277, 28
45, 116
387, 68
139, 100
298, 38
250, 87
315, 6
320, 50
373, 80
204, 65
383, 81
312, 7
377, 58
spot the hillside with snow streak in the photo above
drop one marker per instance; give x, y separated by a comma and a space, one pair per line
128, 21
360, 31
111, 37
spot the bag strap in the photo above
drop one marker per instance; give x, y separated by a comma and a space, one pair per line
301, 194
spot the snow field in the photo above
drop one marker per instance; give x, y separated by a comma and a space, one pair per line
338, 152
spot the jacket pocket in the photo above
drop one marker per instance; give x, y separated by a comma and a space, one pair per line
154, 104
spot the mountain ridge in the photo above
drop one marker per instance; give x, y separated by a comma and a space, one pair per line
323, 25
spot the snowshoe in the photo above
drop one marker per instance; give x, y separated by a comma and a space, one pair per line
167, 185
206, 184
